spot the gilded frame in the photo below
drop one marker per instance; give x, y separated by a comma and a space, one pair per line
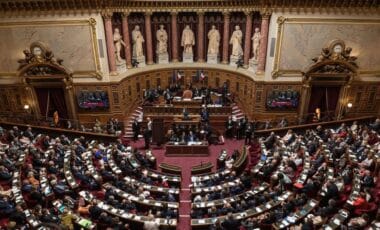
91, 22
281, 21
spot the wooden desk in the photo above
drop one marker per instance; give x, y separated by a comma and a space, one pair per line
55, 132
206, 222
187, 103
173, 169
193, 120
183, 149
202, 168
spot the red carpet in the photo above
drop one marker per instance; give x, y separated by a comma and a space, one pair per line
186, 163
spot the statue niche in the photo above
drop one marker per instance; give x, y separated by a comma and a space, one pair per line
39, 60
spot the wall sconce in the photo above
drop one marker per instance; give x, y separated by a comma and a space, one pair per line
27, 108
349, 105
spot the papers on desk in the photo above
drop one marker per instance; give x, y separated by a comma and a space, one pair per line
336, 221
291, 219
201, 221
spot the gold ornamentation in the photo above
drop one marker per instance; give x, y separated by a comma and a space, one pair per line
95, 50
336, 51
282, 21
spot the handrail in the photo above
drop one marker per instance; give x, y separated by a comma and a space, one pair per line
313, 125
59, 131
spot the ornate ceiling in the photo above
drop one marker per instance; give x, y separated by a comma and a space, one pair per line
19, 6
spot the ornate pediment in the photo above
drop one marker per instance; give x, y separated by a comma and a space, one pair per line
335, 58
39, 60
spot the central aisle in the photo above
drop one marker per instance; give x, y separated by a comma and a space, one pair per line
186, 163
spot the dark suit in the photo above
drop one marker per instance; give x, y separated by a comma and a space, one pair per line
231, 224
136, 130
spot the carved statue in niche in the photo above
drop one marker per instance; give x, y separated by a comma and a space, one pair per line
188, 40
214, 40
236, 41
256, 39
118, 41
138, 41
162, 41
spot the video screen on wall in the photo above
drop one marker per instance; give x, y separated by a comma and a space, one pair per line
93, 100
282, 99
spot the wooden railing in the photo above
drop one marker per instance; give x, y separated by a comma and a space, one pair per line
55, 132
264, 132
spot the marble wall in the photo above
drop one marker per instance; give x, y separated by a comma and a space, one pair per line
70, 40
303, 40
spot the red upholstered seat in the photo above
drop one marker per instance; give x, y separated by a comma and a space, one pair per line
365, 208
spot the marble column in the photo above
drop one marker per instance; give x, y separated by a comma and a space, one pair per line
201, 36
247, 39
226, 37
148, 34
174, 36
110, 45
264, 42
127, 47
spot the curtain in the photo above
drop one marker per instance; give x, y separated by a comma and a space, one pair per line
56, 101
42, 97
325, 98
57, 98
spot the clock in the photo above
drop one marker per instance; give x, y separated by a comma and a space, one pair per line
37, 51
338, 49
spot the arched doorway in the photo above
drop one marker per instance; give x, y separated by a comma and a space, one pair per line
48, 83
326, 82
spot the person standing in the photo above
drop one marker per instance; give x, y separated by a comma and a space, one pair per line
229, 127
135, 129
146, 136
248, 133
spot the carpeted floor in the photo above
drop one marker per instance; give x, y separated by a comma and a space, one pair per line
186, 163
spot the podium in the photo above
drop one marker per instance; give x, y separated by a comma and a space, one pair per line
158, 137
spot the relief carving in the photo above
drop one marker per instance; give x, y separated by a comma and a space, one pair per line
335, 58
39, 60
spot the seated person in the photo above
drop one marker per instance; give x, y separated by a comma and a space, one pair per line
187, 94
185, 114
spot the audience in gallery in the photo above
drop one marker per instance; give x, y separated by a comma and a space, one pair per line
352, 152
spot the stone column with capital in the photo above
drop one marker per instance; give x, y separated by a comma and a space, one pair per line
264, 42
201, 36
148, 34
109, 42
174, 36
247, 39
127, 47
226, 31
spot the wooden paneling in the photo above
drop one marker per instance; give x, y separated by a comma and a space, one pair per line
12, 100
365, 99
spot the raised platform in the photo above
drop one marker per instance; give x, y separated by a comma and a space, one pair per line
186, 150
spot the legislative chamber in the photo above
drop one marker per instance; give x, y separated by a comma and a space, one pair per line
189, 114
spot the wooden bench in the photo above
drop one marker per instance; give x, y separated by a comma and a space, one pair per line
173, 169
241, 161
202, 168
